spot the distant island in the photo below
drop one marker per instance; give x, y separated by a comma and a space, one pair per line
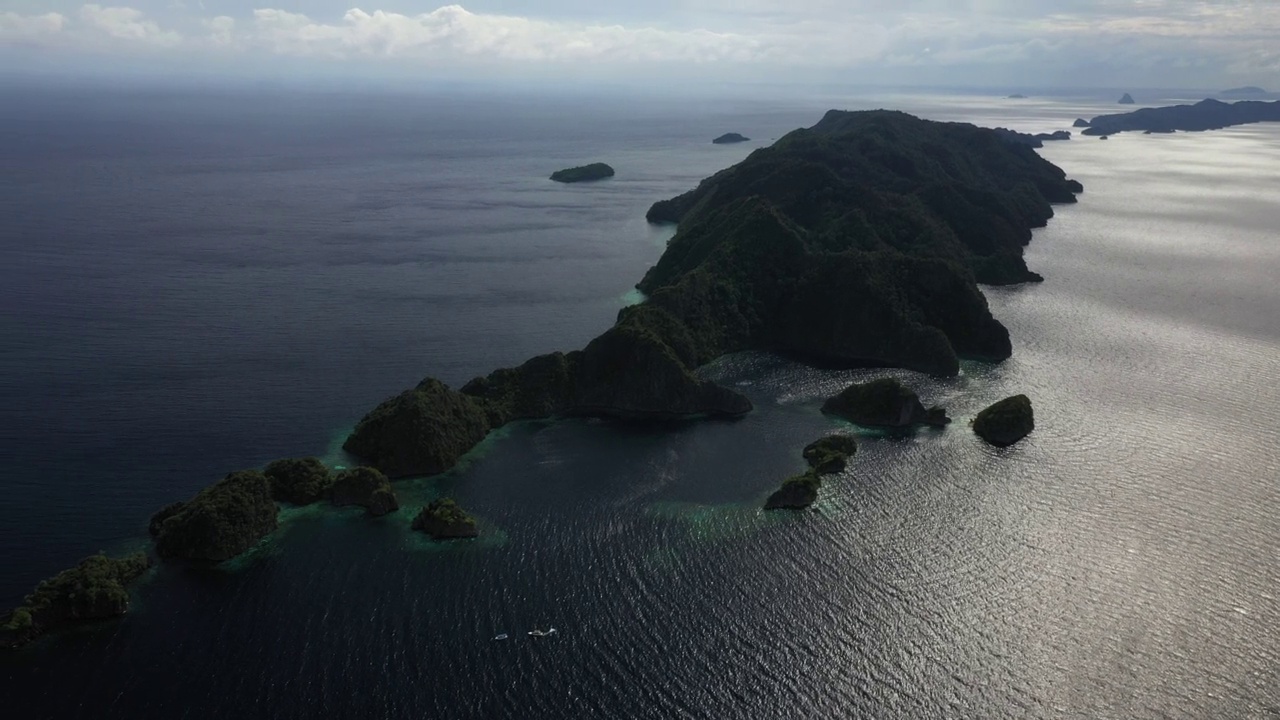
1246, 91
583, 173
1036, 141
857, 242
1205, 115
730, 138
1127, 99
1016, 96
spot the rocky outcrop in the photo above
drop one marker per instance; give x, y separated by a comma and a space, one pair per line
422, 431
366, 487
1204, 115
95, 589
797, 493
220, 522
594, 171
444, 520
1127, 99
1005, 422
830, 454
1080, 123
298, 481
1035, 141
730, 138
883, 403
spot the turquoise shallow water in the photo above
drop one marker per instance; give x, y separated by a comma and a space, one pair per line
1120, 563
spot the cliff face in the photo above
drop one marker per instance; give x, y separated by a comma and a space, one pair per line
857, 242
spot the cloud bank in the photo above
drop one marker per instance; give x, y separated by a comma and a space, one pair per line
1080, 42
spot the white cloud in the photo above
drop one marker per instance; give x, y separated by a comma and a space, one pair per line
27, 27
454, 31
221, 30
123, 23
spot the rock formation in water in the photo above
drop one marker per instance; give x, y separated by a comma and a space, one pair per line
830, 454
1080, 123
366, 487
883, 403
796, 493
730, 138
1005, 422
95, 589
220, 522
1127, 99
1204, 115
298, 481
857, 242
594, 171
444, 519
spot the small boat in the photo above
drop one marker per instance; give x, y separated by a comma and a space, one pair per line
501, 636
542, 633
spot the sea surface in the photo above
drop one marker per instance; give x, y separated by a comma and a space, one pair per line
198, 281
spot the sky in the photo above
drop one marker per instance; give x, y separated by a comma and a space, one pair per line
975, 43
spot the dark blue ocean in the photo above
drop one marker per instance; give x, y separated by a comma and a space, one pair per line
200, 280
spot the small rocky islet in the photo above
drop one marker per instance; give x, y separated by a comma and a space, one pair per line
583, 173
826, 456
444, 519
730, 139
885, 403
1006, 422
860, 241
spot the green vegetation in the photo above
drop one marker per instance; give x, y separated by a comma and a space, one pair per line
422, 431
883, 403
95, 589
366, 487
594, 171
830, 454
796, 493
444, 519
857, 242
298, 481
220, 522
1005, 422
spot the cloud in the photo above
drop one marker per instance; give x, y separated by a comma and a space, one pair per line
15, 27
123, 23
453, 31
221, 30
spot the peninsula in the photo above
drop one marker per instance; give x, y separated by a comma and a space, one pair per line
857, 242
1207, 114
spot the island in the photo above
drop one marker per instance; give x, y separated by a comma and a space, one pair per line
444, 519
830, 454
1207, 114
883, 403
220, 522
1080, 123
1036, 141
95, 589
1005, 422
1127, 99
858, 242
365, 487
594, 171
797, 493
1246, 91
1016, 96
299, 481
730, 138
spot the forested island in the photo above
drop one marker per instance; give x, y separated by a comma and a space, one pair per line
858, 242
583, 173
1208, 114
